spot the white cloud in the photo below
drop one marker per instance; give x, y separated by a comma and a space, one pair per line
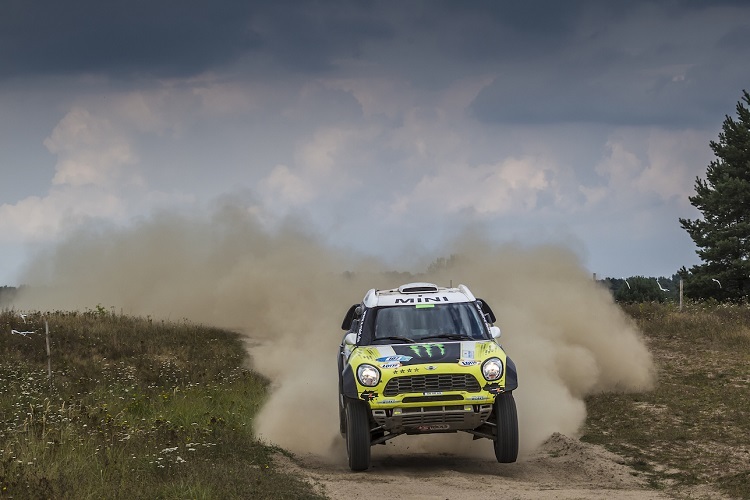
510, 186
89, 151
286, 187
42, 218
321, 169
657, 164
94, 171
674, 160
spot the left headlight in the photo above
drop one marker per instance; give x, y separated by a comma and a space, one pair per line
492, 369
368, 375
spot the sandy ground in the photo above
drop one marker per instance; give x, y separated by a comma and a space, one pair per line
562, 468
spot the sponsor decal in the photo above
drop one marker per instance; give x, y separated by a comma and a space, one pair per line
397, 357
388, 401
493, 388
468, 362
475, 398
430, 350
433, 427
386, 366
434, 393
368, 395
430, 367
361, 325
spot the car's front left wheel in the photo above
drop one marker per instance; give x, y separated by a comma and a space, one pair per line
357, 434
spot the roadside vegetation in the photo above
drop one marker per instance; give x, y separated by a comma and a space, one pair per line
693, 429
137, 408
134, 408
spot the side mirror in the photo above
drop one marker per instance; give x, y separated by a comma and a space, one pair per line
495, 332
351, 338
350, 315
487, 311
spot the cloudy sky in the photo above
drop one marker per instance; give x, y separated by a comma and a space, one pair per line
383, 127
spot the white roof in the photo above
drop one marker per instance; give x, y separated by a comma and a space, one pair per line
418, 293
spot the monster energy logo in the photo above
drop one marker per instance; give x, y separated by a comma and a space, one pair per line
428, 349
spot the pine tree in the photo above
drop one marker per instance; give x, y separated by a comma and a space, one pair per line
723, 234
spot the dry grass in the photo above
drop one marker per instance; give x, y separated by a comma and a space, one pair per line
135, 409
694, 427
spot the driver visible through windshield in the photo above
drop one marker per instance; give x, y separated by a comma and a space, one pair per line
427, 322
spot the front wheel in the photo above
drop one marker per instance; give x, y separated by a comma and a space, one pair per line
342, 416
357, 434
506, 420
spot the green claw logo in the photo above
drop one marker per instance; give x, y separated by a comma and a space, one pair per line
428, 349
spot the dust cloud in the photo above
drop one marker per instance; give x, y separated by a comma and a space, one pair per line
288, 292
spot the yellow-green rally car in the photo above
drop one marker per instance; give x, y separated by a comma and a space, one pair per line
422, 359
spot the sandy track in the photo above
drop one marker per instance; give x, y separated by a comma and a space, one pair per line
562, 468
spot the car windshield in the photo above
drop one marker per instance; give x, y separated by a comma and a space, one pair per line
415, 323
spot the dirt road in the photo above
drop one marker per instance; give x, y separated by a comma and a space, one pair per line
562, 468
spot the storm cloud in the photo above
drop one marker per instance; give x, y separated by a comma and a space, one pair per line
384, 126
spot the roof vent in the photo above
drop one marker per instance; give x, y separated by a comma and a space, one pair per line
418, 288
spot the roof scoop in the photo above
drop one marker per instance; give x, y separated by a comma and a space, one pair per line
418, 288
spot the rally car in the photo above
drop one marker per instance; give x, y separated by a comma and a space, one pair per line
423, 359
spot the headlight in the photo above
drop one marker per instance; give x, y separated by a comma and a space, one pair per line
368, 375
492, 369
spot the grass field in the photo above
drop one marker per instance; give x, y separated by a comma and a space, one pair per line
134, 409
694, 428
137, 408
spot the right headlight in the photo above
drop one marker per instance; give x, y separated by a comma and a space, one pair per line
492, 369
368, 375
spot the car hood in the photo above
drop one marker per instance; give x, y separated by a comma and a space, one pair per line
432, 353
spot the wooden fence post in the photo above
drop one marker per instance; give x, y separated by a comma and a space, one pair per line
49, 359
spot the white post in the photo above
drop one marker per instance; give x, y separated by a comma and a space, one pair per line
680, 294
49, 360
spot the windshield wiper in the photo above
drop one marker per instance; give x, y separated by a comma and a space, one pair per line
405, 339
449, 336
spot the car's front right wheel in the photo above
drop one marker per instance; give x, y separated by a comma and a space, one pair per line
357, 434
506, 421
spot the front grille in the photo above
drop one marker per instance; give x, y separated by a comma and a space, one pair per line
430, 399
431, 383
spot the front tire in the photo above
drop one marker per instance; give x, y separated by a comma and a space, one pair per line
342, 417
357, 434
506, 420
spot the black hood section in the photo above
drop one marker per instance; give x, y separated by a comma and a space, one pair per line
448, 352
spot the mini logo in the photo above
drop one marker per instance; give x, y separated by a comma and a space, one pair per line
430, 367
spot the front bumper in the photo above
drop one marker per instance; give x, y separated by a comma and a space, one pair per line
429, 419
